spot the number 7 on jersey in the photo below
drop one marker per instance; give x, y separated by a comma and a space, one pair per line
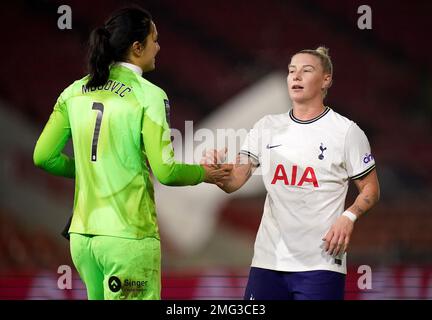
99, 107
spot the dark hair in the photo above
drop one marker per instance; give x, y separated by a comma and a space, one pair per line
111, 42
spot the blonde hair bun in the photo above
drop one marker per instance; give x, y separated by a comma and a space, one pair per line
323, 50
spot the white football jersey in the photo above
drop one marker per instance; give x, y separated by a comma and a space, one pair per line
306, 167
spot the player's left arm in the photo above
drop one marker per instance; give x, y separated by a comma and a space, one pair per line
48, 153
369, 193
338, 237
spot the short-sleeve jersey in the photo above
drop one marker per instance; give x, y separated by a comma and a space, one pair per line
116, 129
306, 167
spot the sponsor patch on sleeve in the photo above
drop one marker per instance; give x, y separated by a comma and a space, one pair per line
167, 112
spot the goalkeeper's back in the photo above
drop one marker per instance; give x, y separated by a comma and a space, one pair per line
117, 121
114, 193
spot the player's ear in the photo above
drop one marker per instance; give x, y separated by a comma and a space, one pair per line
137, 49
327, 81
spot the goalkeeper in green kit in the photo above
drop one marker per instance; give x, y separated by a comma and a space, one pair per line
118, 123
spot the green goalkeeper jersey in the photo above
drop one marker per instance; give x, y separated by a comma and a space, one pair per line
116, 130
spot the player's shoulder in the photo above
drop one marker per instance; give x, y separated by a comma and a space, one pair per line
339, 121
75, 88
150, 89
349, 128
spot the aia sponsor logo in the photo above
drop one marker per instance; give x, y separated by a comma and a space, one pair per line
296, 178
368, 158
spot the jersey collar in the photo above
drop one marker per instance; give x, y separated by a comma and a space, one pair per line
291, 114
130, 66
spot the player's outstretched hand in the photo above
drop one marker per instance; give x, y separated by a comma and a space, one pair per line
338, 237
217, 174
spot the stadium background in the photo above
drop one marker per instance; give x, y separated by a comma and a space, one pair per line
214, 56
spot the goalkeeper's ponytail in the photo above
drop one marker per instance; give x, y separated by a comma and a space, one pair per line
111, 42
100, 57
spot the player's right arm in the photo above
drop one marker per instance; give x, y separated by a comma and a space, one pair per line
240, 173
246, 162
48, 154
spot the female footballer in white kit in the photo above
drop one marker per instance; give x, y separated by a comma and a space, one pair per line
307, 157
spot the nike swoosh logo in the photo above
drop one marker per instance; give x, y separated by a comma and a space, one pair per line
270, 147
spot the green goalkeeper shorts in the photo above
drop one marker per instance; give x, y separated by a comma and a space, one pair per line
118, 268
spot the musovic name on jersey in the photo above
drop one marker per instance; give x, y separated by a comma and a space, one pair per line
308, 176
110, 86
